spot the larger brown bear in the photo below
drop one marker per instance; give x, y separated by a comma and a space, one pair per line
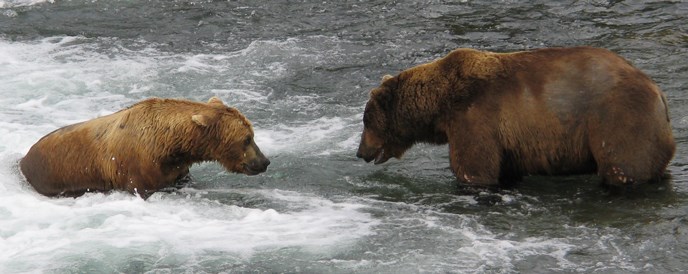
142, 149
553, 111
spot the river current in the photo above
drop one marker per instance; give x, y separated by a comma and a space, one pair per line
301, 72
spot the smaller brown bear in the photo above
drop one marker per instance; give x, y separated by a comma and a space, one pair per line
142, 149
555, 111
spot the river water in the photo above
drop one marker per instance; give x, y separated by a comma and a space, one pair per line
301, 72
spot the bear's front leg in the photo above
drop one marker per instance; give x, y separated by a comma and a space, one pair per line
474, 159
146, 182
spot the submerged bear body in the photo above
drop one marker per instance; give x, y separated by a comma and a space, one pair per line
142, 149
555, 111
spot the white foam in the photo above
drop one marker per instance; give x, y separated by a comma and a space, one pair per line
503, 253
39, 228
316, 137
60, 81
202, 63
6, 4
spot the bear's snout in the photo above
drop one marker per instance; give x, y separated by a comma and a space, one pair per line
364, 154
370, 148
369, 154
257, 166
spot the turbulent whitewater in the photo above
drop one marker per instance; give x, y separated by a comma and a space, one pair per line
301, 72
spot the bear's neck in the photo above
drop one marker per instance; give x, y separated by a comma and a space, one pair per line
178, 144
419, 107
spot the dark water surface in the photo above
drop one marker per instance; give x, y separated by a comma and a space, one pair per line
301, 72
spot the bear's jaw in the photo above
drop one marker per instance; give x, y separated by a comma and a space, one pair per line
381, 157
378, 156
251, 169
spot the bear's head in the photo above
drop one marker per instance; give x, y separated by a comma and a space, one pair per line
408, 108
382, 138
231, 140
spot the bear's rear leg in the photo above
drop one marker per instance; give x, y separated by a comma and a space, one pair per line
631, 142
625, 167
616, 178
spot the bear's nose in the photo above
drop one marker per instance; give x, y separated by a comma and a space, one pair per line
256, 166
261, 164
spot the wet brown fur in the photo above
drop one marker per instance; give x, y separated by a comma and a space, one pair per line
554, 111
142, 149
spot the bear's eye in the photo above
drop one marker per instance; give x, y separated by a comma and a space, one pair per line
247, 142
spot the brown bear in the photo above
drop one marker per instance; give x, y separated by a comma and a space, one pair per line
142, 149
554, 111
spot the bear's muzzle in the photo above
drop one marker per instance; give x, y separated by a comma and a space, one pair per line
369, 154
256, 166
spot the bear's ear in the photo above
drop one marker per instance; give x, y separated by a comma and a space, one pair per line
215, 101
200, 120
390, 81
